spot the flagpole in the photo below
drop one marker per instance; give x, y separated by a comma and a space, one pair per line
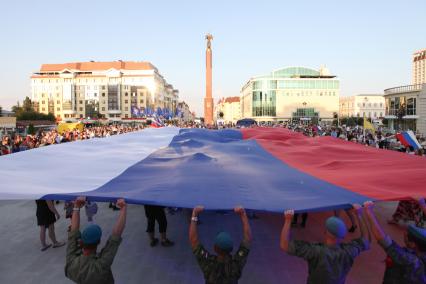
363, 129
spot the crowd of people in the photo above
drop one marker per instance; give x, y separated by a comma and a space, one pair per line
17, 143
356, 134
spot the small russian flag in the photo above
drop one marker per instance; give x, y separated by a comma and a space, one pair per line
407, 138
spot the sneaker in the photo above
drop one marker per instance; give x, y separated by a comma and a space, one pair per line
352, 229
167, 243
154, 242
58, 244
45, 247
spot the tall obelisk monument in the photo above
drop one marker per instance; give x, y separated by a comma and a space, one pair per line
208, 100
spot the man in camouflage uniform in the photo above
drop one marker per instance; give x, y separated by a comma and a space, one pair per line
403, 264
328, 262
83, 264
222, 268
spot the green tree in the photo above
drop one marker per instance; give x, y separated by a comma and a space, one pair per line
17, 109
27, 105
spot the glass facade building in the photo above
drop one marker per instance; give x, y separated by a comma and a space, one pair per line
291, 93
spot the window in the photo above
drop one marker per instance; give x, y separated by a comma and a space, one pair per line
103, 88
81, 109
126, 101
58, 109
80, 102
381, 114
375, 114
126, 116
272, 84
103, 94
126, 94
103, 109
411, 106
126, 108
43, 102
363, 104
141, 101
381, 105
257, 85
95, 95
43, 109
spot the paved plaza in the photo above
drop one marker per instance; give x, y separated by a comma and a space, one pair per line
136, 262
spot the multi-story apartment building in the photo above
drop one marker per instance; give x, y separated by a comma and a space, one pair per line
100, 89
419, 67
368, 105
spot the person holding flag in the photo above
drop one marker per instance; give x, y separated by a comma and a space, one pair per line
403, 264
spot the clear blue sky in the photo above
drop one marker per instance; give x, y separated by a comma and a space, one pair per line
367, 44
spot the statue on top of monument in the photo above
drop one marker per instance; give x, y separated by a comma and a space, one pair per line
209, 38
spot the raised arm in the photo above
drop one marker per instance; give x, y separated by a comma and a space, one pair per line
246, 226
75, 220
376, 229
357, 214
52, 208
422, 204
285, 232
121, 222
193, 233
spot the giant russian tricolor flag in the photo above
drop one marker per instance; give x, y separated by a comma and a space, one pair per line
268, 169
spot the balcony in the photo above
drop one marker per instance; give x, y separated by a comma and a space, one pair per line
404, 89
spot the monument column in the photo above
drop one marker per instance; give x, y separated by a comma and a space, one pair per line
208, 100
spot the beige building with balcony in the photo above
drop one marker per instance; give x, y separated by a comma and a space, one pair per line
406, 108
108, 90
370, 105
419, 67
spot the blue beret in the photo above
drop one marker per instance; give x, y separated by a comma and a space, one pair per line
224, 242
91, 235
336, 227
417, 233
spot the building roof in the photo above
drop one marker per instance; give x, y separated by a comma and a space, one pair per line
298, 72
419, 55
3, 111
232, 100
369, 95
97, 66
